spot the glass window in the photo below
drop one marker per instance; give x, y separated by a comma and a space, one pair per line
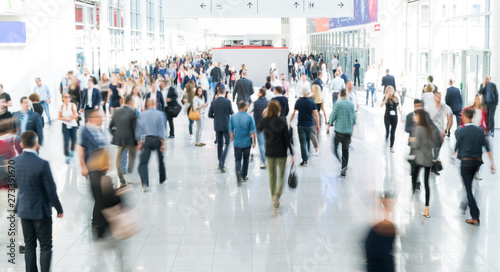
161, 17
150, 15
135, 14
424, 62
116, 13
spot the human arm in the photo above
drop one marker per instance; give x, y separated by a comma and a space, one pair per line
493, 170
293, 115
254, 139
99, 99
51, 189
81, 155
324, 112
333, 118
316, 119
39, 129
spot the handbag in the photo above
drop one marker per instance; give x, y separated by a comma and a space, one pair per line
437, 166
293, 179
123, 223
194, 115
174, 110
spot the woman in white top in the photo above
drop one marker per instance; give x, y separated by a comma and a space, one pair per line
68, 115
203, 80
199, 104
136, 95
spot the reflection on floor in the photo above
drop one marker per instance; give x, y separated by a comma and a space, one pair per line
201, 220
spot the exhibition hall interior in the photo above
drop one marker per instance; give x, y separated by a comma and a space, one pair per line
249, 135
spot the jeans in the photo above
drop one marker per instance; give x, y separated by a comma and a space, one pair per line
199, 129
458, 118
414, 176
191, 122
69, 134
170, 120
241, 153
46, 110
223, 141
305, 141
131, 160
491, 116
468, 169
392, 122
314, 137
356, 76
371, 89
261, 140
213, 84
151, 144
272, 168
335, 97
40, 230
345, 140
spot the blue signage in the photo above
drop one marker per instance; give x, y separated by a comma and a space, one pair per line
12, 32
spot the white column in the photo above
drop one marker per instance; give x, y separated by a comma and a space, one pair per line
495, 48
104, 46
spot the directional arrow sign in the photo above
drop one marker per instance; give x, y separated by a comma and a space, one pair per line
203, 5
341, 5
249, 5
296, 4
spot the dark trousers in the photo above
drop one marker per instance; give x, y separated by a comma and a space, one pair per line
151, 144
356, 77
98, 219
223, 141
170, 120
40, 230
305, 141
458, 118
415, 170
191, 122
468, 169
241, 153
345, 140
335, 97
69, 134
491, 116
391, 121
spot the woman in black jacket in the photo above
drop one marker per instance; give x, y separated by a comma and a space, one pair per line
37, 107
278, 140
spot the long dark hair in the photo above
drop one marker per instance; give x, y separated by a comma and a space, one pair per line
424, 120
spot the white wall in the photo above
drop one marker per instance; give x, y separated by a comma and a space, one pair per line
49, 52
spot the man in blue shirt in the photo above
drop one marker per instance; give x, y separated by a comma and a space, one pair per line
242, 133
44, 93
469, 146
355, 71
307, 110
152, 137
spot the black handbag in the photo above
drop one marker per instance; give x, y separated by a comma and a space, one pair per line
174, 110
293, 179
437, 166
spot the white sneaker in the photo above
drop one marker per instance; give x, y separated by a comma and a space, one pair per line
262, 165
392, 150
145, 189
316, 153
478, 177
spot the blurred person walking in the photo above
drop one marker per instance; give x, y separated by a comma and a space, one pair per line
27, 120
258, 108
469, 146
220, 110
243, 88
104, 86
114, 94
343, 117
187, 99
199, 105
42, 90
317, 97
370, 81
438, 112
37, 194
242, 133
391, 103
283, 100
171, 104
337, 85
68, 114
307, 112
422, 144
278, 140
490, 93
123, 127
152, 138
454, 100
91, 97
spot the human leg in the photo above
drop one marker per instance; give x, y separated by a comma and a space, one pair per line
227, 140
427, 172
468, 170
281, 164
261, 140
246, 156
46, 110
170, 119
491, 116
271, 169
43, 229
394, 125
161, 163
30, 244
199, 125
303, 144
119, 154
66, 133
415, 170
72, 136
143, 164
346, 141
132, 152
238, 153
220, 144
387, 123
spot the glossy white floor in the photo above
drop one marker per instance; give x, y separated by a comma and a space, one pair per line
201, 221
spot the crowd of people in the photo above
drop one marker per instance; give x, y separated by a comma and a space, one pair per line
140, 105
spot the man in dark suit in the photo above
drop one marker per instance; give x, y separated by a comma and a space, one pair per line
454, 101
123, 128
319, 81
26, 120
91, 97
243, 88
489, 92
220, 110
155, 95
36, 196
388, 80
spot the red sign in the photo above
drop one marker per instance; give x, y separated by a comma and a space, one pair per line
377, 27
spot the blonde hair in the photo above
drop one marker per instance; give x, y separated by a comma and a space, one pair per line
429, 88
316, 94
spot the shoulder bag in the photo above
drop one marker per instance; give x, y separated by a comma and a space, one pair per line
194, 115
